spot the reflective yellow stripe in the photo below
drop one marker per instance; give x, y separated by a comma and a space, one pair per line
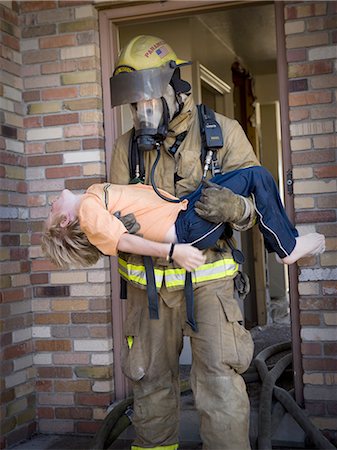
136, 273
163, 447
130, 341
175, 278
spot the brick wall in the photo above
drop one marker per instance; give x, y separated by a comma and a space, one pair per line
311, 40
17, 373
56, 335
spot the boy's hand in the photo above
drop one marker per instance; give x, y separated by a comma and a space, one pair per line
188, 257
129, 221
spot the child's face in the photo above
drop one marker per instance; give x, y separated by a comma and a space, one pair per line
64, 205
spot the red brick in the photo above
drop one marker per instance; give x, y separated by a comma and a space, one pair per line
39, 278
15, 351
58, 41
14, 295
324, 112
31, 96
32, 122
330, 348
12, 159
72, 386
321, 23
7, 396
329, 287
88, 427
63, 172
44, 385
44, 160
16, 254
5, 338
43, 265
9, 16
61, 345
73, 413
326, 365
52, 291
318, 303
58, 67
82, 183
59, 93
309, 98
90, 318
60, 119
315, 408
34, 148
39, 56
298, 114
313, 156
56, 318
11, 42
55, 372
93, 399
304, 9
315, 216
310, 319
37, 6
92, 143
311, 68
45, 412
326, 171
296, 54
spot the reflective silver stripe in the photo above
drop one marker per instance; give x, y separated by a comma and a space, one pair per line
137, 274
269, 229
222, 268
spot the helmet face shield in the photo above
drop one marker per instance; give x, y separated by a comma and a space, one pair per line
135, 86
147, 113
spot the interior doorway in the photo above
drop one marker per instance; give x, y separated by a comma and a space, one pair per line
212, 41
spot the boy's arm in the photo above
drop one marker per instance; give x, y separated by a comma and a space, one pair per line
184, 255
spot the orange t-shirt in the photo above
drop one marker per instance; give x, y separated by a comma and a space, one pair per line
154, 215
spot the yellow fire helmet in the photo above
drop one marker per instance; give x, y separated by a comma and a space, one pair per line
146, 52
144, 70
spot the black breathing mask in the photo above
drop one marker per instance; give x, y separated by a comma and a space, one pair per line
150, 118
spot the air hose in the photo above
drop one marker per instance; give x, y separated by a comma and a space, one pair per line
118, 419
269, 389
171, 200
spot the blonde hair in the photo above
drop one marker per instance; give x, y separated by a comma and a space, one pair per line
68, 246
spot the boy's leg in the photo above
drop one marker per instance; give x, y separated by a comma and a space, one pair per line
279, 234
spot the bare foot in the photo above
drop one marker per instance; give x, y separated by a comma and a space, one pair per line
307, 245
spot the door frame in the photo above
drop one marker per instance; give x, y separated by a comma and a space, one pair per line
108, 31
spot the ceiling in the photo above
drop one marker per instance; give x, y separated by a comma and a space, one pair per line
249, 31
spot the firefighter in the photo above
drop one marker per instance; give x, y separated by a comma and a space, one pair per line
164, 149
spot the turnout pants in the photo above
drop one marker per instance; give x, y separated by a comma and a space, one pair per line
221, 350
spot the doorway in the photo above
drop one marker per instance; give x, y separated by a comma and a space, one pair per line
209, 37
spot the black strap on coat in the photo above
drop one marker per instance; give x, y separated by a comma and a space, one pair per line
151, 287
189, 299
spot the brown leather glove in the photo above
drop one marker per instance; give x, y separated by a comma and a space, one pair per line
219, 204
129, 221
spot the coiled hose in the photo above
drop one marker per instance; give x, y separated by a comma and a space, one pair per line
119, 417
269, 389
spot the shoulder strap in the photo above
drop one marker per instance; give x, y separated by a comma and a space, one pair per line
211, 136
136, 161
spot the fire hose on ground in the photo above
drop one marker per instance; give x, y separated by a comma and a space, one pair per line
119, 418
